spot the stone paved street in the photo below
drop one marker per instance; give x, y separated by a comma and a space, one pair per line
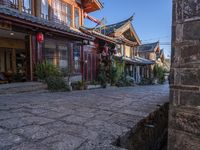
80, 120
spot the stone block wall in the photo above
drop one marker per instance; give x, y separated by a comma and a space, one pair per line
184, 114
149, 134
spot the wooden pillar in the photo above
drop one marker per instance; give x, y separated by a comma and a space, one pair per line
82, 62
33, 7
20, 5
14, 60
28, 63
38, 6
82, 17
71, 64
73, 18
31, 58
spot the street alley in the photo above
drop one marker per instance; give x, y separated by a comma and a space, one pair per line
81, 120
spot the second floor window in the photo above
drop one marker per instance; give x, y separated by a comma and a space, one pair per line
62, 12
57, 10
69, 15
76, 15
26, 6
66, 14
44, 9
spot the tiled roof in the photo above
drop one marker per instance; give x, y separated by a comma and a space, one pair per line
111, 28
144, 61
147, 47
98, 35
136, 60
100, 2
39, 21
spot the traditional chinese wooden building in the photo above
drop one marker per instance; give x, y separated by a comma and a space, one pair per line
35, 30
127, 44
95, 51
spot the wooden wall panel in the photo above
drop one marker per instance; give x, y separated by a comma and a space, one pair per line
12, 43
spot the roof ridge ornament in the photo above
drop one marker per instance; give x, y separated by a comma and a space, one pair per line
132, 17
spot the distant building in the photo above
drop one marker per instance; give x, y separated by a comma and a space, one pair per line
152, 52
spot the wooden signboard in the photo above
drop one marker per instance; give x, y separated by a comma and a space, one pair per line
6, 25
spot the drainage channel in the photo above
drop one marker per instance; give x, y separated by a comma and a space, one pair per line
149, 134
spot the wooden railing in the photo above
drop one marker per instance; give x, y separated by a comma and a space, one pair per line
9, 3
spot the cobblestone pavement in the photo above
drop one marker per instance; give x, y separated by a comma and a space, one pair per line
80, 120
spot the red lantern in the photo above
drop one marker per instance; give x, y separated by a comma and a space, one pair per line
40, 37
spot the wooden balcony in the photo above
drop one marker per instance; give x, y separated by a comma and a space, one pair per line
12, 4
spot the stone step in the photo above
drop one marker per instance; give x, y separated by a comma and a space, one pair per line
12, 88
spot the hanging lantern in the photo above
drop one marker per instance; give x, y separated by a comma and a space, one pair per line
40, 37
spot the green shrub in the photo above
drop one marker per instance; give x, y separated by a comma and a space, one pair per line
80, 85
56, 83
102, 78
46, 69
159, 73
146, 81
94, 82
113, 75
124, 81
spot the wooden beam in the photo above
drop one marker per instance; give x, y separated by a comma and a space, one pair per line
62, 33
11, 43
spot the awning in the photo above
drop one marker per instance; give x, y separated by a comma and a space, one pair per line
36, 22
98, 35
135, 61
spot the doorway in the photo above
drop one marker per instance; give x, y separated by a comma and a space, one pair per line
13, 56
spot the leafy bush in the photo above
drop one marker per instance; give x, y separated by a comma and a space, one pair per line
146, 81
159, 73
80, 85
124, 81
102, 78
46, 69
94, 82
113, 75
52, 76
56, 83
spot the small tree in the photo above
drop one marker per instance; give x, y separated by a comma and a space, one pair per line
102, 78
159, 73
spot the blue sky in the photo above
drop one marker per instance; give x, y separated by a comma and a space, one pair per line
152, 20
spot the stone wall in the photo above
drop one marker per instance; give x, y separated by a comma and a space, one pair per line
149, 134
184, 114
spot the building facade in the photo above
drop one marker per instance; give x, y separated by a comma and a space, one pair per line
37, 30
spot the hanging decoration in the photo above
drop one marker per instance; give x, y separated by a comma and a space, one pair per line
40, 37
